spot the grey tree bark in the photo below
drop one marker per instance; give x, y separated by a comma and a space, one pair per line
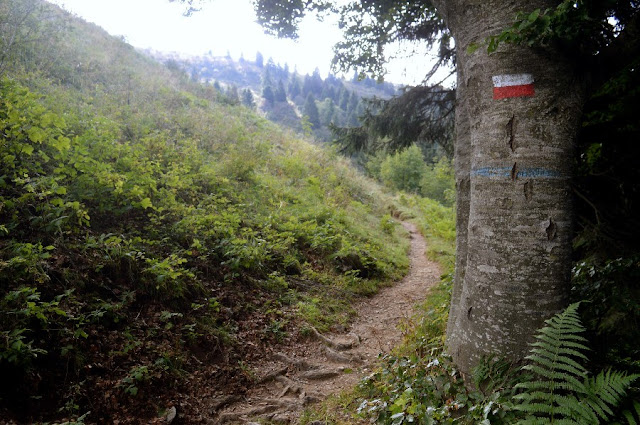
514, 155
462, 151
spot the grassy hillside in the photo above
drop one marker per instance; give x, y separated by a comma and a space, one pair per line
154, 240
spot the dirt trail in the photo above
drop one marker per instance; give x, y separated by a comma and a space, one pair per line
334, 362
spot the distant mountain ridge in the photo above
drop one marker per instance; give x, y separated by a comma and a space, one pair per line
297, 101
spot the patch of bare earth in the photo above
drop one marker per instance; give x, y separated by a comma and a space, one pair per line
305, 374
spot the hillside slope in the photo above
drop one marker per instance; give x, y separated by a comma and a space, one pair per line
281, 95
153, 239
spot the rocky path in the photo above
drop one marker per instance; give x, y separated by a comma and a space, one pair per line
290, 381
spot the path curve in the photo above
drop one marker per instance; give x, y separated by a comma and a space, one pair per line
334, 362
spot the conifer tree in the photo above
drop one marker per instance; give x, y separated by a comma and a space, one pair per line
267, 94
344, 99
232, 94
280, 94
247, 99
311, 111
294, 88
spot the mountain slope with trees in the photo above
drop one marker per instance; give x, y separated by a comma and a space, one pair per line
154, 237
300, 102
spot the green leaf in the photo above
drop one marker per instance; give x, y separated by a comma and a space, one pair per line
26, 149
534, 15
36, 134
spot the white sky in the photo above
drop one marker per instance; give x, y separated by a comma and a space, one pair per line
225, 26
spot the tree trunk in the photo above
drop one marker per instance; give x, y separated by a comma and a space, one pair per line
462, 152
516, 268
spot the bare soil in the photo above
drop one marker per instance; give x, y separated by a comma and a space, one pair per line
302, 374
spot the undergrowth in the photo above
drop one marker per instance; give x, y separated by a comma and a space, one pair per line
419, 384
152, 235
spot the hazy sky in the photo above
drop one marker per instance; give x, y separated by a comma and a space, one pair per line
225, 26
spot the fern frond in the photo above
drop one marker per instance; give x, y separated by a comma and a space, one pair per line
565, 351
536, 385
598, 406
566, 421
554, 375
532, 420
565, 394
628, 415
573, 407
535, 408
559, 362
607, 389
533, 397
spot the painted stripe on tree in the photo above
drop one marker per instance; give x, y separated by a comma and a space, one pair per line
537, 172
512, 85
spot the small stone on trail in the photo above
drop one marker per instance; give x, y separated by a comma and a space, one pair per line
171, 415
336, 356
320, 374
281, 419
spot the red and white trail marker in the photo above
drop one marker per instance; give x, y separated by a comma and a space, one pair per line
513, 85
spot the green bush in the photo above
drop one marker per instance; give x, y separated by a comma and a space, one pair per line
404, 170
438, 182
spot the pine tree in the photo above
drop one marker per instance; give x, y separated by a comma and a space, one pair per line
294, 88
267, 94
353, 102
247, 99
344, 99
280, 94
311, 111
328, 112
232, 95
307, 86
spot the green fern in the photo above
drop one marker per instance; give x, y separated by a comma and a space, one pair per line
564, 392
632, 419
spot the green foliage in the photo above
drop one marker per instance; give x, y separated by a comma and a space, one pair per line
436, 223
404, 170
311, 111
554, 387
136, 376
29, 28
613, 311
579, 25
418, 382
387, 224
413, 391
25, 313
370, 26
144, 218
564, 392
631, 417
422, 385
438, 183
420, 115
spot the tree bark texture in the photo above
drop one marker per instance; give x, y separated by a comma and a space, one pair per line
514, 155
462, 154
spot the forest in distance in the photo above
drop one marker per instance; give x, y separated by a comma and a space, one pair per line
167, 224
